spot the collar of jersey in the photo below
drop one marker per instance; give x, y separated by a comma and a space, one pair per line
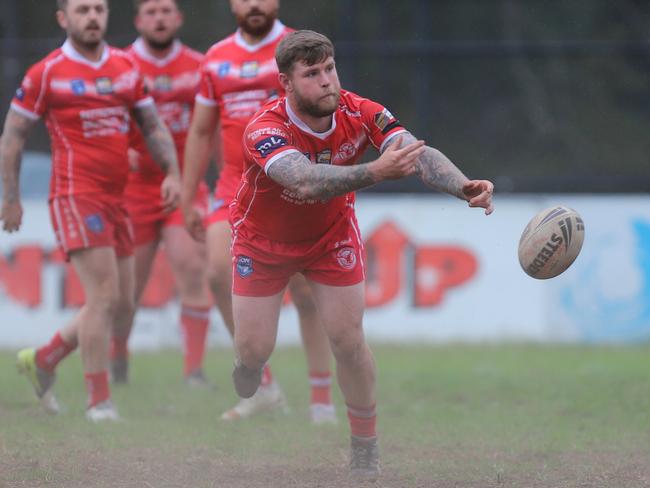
276, 31
305, 128
70, 52
142, 52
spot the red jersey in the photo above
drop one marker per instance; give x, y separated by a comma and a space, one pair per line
86, 108
263, 206
239, 79
173, 82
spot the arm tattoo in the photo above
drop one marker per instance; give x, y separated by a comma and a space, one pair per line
13, 138
318, 181
158, 138
437, 171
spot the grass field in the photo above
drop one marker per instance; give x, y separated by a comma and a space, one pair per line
456, 416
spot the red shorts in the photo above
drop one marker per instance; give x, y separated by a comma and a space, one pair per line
144, 204
84, 221
262, 267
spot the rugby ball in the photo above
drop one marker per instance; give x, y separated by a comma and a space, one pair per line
551, 242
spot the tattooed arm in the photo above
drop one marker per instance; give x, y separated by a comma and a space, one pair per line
162, 149
323, 181
159, 140
12, 142
438, 172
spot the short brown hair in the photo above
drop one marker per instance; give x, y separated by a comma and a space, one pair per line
303, 45
139, 3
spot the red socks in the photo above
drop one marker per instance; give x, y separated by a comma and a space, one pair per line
194, 323
320, 388
51, 354
119, 347
267, 377
97, 388
363, 421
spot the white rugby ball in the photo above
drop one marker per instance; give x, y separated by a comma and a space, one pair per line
551, 242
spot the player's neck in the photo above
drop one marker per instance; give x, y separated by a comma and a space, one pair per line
316, 124
157, 51
251, 39
92, 54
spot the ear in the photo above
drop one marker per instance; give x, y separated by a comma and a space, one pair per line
181, 19
61, 19
285, 82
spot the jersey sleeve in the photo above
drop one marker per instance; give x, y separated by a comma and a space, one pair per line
380, 124
30, 99
266, 142
207, 94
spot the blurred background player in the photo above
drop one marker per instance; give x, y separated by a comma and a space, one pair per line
294, 212
85, 90
171, 74
239, 75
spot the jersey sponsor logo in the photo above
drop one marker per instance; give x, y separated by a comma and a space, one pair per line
383, 118
224, 69
270, 144
102, 122
324, 157
267, 131
104, 85
244, 266
95, 223
249, 69
20, 94
78, 87
163, 83
346, 257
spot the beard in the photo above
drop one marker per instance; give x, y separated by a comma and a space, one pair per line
159, 44
322, 108
88, 39
257, 30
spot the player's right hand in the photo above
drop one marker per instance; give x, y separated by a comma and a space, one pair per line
194, 223
11, 215
396, 161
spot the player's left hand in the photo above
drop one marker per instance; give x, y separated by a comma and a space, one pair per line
170, 191
479, 194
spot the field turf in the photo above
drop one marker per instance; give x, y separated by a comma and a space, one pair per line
449, 416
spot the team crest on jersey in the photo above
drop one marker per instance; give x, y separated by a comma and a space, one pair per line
346, 152
78, 87
249, 69
383, 118
95, 223
104, 85
20, 94
270, 144
244, 266
163, 83
324, 157
224, 69
346, 257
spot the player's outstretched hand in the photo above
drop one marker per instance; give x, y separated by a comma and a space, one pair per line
11, 215
479, 194
170, 190
396, 162
193, 222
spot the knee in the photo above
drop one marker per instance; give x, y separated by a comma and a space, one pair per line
191, 278
348, 345
218, 275
253, 352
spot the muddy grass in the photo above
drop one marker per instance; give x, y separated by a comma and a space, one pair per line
155, 468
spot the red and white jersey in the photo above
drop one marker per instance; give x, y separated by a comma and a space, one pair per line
173, 82
267, 208
239, 79
86, 109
